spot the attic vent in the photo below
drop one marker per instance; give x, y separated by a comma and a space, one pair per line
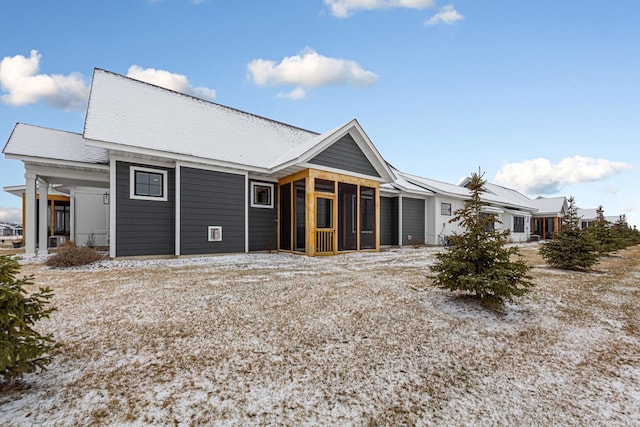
215, 233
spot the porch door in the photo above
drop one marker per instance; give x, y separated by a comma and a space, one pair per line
325, 226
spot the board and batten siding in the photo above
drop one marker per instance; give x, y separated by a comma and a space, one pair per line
412, 221
211, 198
144, 227
345, 154
388, 220
263, 223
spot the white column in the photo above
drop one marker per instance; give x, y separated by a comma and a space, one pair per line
112, 208
43, 241
247, 198
400, 220
177, 206
29, 228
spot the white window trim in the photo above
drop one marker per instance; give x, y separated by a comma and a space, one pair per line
132, 183
253, 193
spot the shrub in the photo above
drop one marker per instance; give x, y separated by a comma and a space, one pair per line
70, 255
477, 260
22, 349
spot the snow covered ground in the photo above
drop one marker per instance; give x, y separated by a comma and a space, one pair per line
347, 340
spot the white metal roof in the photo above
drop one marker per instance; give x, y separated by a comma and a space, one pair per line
550, 205
130, 113
44, 143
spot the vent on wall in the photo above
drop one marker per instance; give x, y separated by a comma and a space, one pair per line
215, 233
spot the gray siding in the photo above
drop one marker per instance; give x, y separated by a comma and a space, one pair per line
412, 221
144, 227
211, 198
388, 220
263, 224
345, 155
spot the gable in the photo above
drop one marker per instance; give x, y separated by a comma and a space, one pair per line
345, 154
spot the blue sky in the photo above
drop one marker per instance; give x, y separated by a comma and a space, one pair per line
544, 96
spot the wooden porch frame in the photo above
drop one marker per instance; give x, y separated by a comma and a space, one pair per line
310, 207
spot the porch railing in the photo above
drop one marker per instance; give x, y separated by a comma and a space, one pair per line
324, 240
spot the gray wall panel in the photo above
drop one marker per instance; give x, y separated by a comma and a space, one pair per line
211, 198
263, 224
346, 155
388, 220
412, 221
144, 227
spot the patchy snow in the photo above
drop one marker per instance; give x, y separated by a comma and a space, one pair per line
264, 339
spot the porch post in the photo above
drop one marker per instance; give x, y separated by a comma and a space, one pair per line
43, 192
29, 227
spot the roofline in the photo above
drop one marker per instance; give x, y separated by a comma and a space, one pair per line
124, 148
95, 69
56, 162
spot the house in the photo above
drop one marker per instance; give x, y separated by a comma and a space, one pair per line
548, 217
157, 172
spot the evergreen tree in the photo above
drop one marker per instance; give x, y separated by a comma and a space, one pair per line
605, 238
477, 261
571, 248
22, 349
624, 233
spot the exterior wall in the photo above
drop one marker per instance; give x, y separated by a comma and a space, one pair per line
442, 226
507, 223
413, 215
431, 238
90, 215
144, 227
263, 223
388, 220
210, 198
345, 155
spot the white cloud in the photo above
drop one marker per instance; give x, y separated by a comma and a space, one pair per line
446, 15
12, 215
166, 79
295, 95
540, 176
345, 8
309, 69
20, 79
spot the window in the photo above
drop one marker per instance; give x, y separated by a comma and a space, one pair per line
261, 195
445, 209
518, 224
148, 184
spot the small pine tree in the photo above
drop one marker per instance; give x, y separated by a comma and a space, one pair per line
571, 248
478, 262
602, 233
22, 349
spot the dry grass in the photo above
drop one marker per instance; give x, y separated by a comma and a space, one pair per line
351, 340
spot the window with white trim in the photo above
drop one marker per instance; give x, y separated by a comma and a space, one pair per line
261, 195
518, 224
148, 184
445, 209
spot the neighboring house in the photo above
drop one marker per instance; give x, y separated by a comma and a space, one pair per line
548, 217
157, 172
6, 229
587, 217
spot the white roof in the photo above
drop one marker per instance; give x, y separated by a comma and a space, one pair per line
507, 197
438, 186
551, 205
587, 214
44, 143
126, 112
